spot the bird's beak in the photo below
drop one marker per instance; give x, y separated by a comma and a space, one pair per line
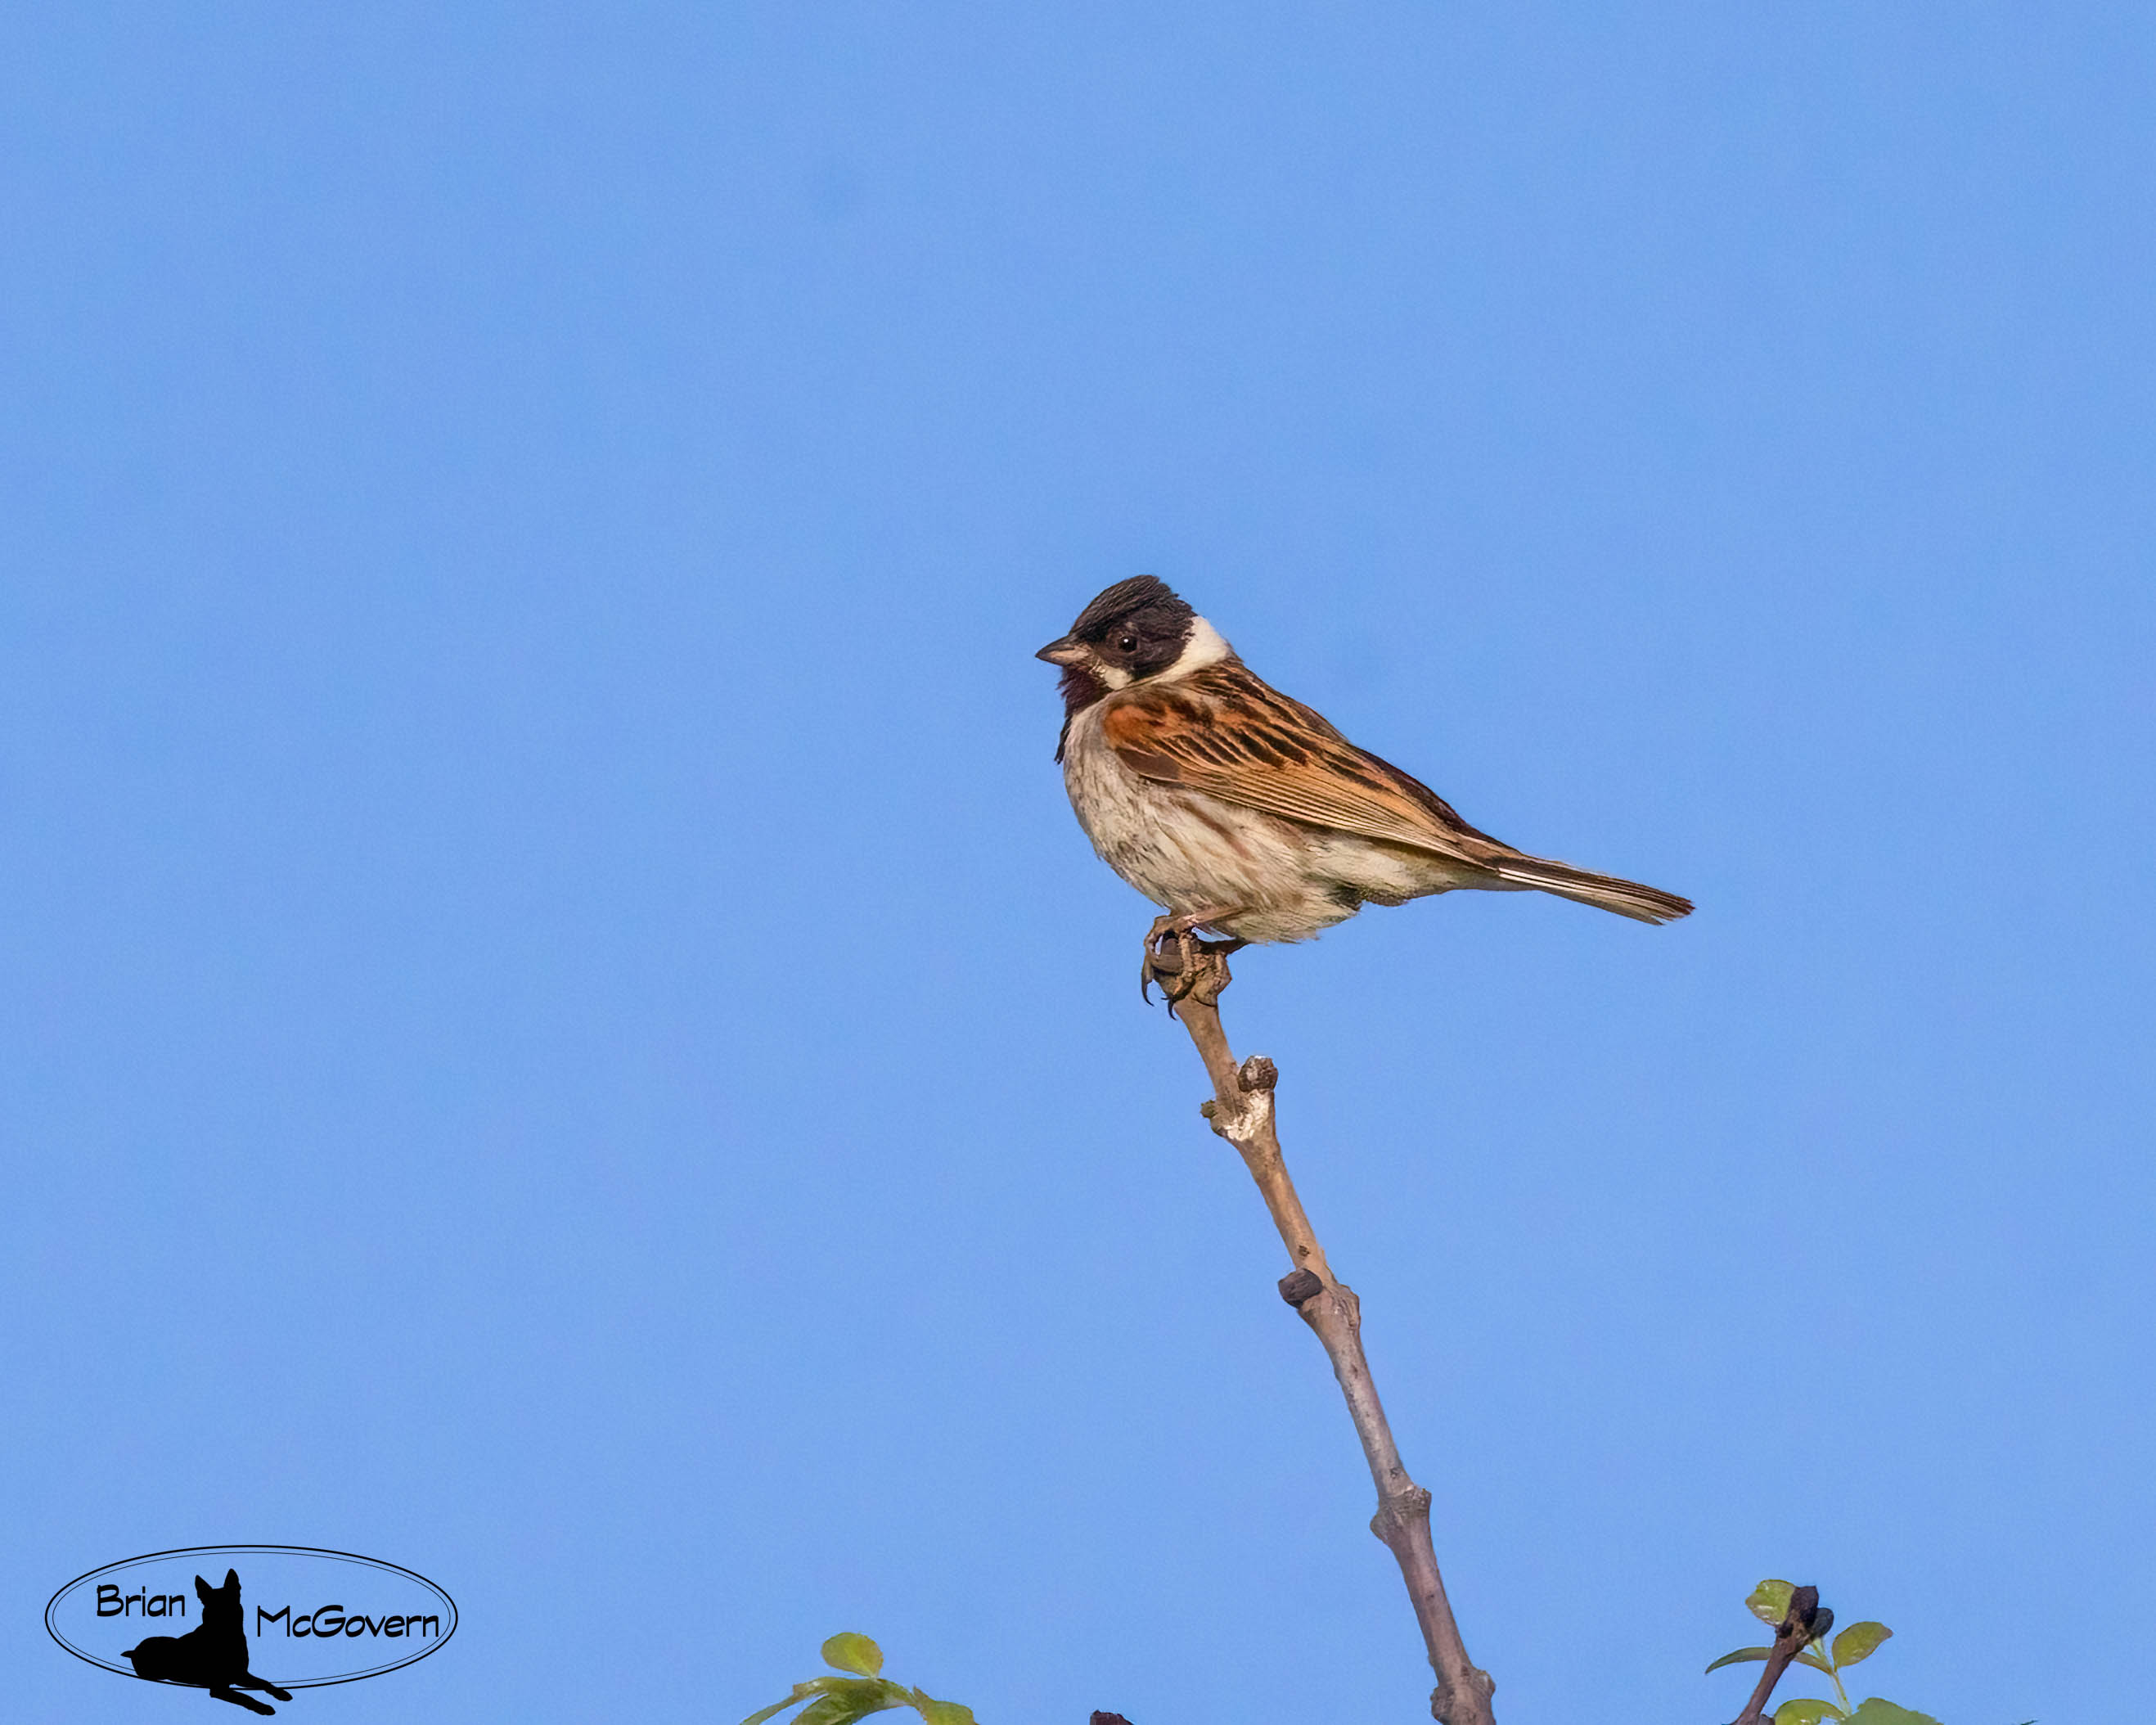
1065, 651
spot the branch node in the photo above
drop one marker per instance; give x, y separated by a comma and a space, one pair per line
1209, 1108
1448, 1706
1298, 1286
1397, 1513
1246, 1121
1258, 1073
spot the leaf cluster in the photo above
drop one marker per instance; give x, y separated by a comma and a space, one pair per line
862, 1691
1770, 1602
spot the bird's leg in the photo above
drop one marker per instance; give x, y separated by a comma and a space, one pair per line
1153, 940
1189, 951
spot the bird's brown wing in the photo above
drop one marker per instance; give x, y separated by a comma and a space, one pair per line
1225, 731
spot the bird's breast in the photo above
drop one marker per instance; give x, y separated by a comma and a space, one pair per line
1188, 851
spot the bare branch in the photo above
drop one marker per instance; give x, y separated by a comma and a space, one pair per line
1241, 1111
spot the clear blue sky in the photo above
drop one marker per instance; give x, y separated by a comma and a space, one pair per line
558, 1029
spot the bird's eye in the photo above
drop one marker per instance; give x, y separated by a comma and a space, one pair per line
1129, 643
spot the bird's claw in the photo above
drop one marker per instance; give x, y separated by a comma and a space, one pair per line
1146, 976
1201, 967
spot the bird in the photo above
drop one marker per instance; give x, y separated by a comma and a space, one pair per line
1241, 811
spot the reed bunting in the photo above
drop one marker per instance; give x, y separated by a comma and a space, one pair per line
1238, 810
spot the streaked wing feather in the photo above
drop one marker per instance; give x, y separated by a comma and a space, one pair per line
1224, 732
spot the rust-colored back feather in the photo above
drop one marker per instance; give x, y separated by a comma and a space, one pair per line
1225, 731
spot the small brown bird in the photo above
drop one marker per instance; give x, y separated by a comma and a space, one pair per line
1240, 810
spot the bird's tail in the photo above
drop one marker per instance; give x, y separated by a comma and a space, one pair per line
1605, 892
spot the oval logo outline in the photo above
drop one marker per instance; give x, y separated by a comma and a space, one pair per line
52, 1605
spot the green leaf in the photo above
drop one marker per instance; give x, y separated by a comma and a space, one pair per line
1770, 1601
857, 1688
1875, 1712
801, 1692
1739, 1656
845, 1699
853, 1653
1806, 1711
1807, 1657
942, 1712
1858, 1641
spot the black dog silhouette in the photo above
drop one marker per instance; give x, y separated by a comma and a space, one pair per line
214, 1657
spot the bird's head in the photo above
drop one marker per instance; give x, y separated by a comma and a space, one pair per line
1138, 629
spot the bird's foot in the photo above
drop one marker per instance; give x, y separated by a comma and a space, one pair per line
1199, 969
